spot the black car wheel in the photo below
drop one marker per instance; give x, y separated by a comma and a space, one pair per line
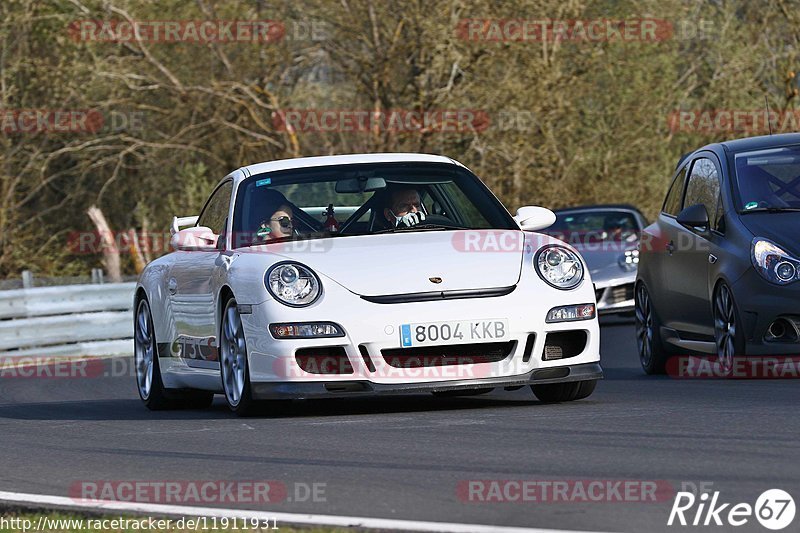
727, 329
564, 392
652, 354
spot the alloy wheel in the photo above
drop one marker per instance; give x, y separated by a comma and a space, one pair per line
144, 349
644, 325
234, 355
725, 328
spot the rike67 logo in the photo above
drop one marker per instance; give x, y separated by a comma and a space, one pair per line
774, 509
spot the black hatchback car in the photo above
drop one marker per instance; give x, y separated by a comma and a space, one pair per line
719, 268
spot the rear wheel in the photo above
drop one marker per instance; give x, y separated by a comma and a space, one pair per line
233, 362
652, 354
148, 372
728, 335
564, 392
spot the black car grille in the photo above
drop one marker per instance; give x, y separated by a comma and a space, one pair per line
455, 354
324, 360
564, 344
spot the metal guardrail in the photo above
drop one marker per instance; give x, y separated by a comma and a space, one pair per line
67, 320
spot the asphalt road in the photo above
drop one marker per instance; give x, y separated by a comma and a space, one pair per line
405, 457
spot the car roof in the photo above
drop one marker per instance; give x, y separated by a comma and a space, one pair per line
598, 207
754, 143
350, 159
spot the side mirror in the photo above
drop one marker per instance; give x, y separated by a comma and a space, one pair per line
533, 218
197, 239
695, 216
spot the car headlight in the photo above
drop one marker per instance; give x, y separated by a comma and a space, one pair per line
559, 267
293, 284
629, 260
773, 263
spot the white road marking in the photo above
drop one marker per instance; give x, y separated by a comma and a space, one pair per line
280, 518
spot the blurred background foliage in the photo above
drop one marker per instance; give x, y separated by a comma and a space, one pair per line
572, 122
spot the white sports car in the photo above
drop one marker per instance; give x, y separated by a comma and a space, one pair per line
362, 274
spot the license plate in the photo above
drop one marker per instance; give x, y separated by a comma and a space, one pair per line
453, 332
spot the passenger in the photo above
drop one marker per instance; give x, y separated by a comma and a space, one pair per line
279, 222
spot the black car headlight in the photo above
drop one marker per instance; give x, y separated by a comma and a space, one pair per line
293, 284
773, 263
559, 267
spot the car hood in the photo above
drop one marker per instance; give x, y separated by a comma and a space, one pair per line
405, 263
780, 228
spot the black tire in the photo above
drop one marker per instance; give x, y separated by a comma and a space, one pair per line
728, 332
653, 355
233, 359
466, 392
564, 392
148, 381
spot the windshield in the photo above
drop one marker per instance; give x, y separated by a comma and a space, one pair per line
580, 227
769, 179
346, 200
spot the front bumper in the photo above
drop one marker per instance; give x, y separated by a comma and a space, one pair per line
615, 296
372, 334
288, 389
760, 303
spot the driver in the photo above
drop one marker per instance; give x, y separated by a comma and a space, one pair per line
404, 207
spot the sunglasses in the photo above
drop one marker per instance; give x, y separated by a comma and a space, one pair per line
285, 222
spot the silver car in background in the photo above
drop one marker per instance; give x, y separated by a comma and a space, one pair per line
607, 236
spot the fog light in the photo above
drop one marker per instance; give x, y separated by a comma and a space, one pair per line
306, 330
571, 313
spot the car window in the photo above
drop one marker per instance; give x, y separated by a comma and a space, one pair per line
594, 225
216, 209
464, 210
672, 205
703, 188
769, 179
448, 196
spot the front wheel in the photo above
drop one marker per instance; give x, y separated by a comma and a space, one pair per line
233, 362
564, 392
652, 355
728, 335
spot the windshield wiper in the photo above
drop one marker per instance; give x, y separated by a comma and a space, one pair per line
772, 210
420, 227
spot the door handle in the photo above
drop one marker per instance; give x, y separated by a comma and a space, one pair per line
671, 247
712, 258
172, 285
